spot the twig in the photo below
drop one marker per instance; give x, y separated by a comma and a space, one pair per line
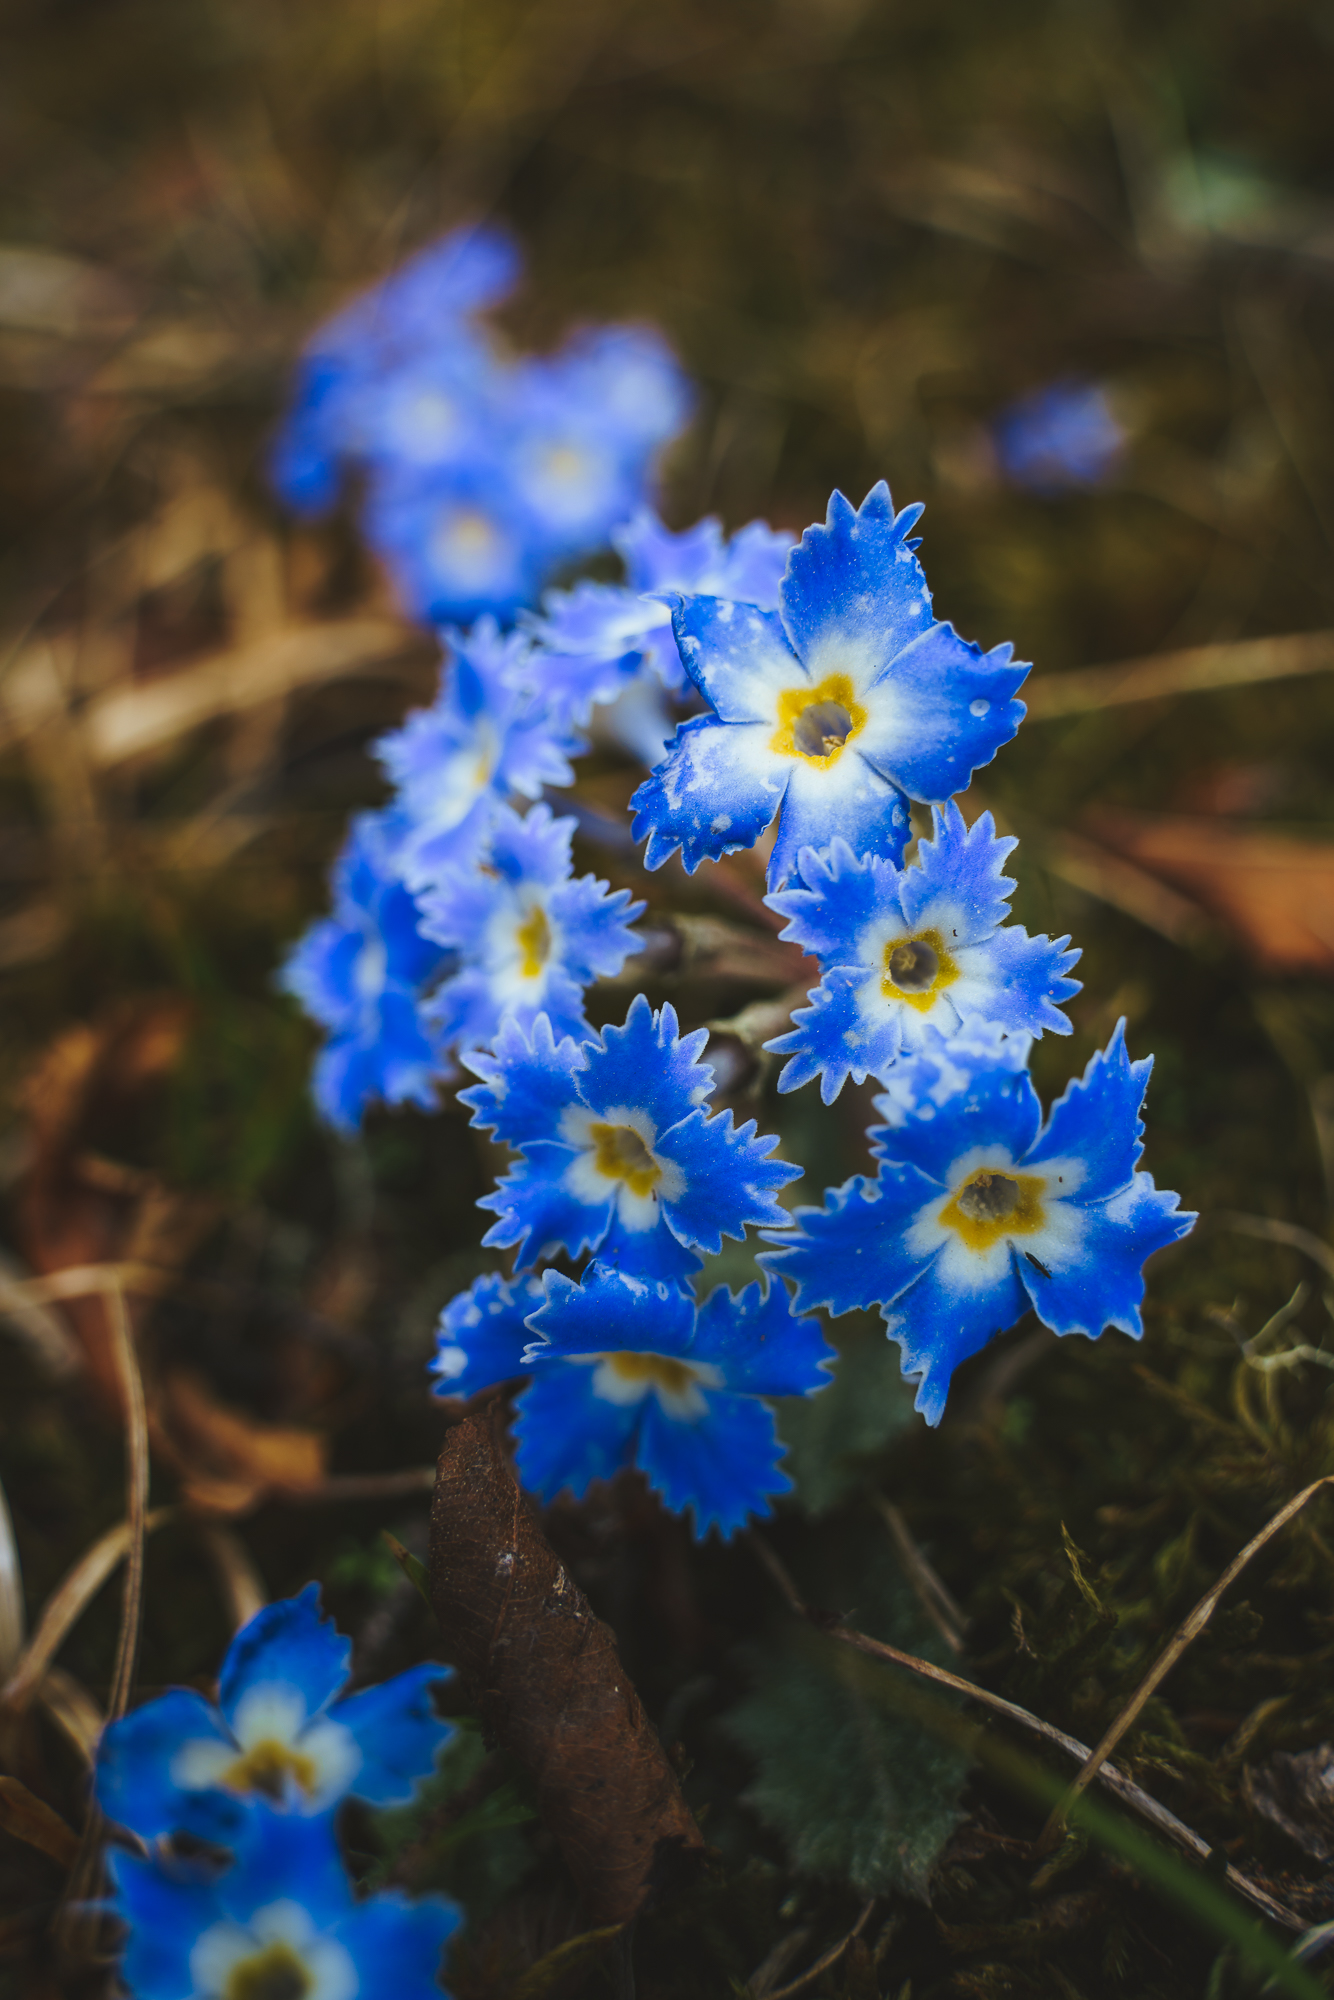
360, 1486
1194, 671
1188, 1630
928, 1589
11, 1592
136, 1500
1116, 1782
73, 1710
831, 1957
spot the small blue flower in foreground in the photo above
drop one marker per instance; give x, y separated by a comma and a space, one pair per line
832, 712
529, 937
978, 1211
595, 639
618, 1153
905, 951
629, 1372
1063, 435
279, 1733
484, 739
280, 1924
359, 974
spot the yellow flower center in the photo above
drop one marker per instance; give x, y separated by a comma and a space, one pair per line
660, 1371
266, 1767
992, 1204
468, 534
817, 722
621, 1155
276, 1973
917, 969
534, 936
565, 462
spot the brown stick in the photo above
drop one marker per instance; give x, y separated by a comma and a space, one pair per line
1189, 1629
544, 1676
136, 1499
1194, 671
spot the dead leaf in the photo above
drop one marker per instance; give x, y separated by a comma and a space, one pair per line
229, 1459
1275, 893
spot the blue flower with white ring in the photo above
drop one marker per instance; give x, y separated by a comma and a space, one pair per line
360, 974
281, 1923
830, 713
617, 1152
528, 936
485, 739
978, 1212
282, 1733
904, 951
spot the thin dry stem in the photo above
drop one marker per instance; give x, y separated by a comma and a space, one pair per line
930, 1592
241, 1583
1194, 671
822, 1965
136, 1500
1188, 1631
66, 1605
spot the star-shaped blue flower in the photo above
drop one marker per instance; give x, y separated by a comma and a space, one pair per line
485, 739
617, 1151
596, 638
628, 1371
1062, 435
280, 1733
978, 1211
529, 937
905, 951
281, 1922
451, 539
360, 972
831, 712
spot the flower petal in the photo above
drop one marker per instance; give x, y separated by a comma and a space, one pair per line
528, 1082
397, 1731
1098, 1119
854, 594
728, 1179
135, 1782
716, 790
736, 655
568, 1437
291, 1644
941, 709
539, 1212
723, 1467
852, 799
1103, 1285
647, 1064
854, 1252
396, 1945
939, 1323
482, 1335
759, 1344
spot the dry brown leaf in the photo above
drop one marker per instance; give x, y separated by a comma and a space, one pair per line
1274, 892
229, 1460
30, 1818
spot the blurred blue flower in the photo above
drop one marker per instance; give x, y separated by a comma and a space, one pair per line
280, 1734
484, 740
627, 1371
906, 951
528, 937
360, 972
280, 1924
978, 1212
595, 639
418, 318
617, 1151
1065, 434
831, 712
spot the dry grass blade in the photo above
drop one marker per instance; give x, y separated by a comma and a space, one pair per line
30, 1819
242, 1585
1121, 885
1121, 1787
1270, 1230
136, 1502
822, 1965
928, 1589
1189, 1630
1194, 671
73, 1710
363, 1486
45, 1335
11, 1592
65, 1606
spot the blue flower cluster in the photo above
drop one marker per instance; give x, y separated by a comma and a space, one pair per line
237, 1886
818, 700
481, 472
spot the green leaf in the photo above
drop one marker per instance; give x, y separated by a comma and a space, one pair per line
854, 1784
834, 1436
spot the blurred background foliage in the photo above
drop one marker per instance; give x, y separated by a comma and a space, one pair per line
865, 227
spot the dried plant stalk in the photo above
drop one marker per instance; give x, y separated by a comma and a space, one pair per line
548, 1685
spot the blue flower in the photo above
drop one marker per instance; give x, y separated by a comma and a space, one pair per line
829, 711
359, 973
1063, 435
905, 951
482, 1335
484, 739
280, 1733
281, 1922
617, 1152
421, 311
597, 637
529, 937
452, 542
627, 1371
979, 1212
